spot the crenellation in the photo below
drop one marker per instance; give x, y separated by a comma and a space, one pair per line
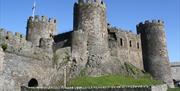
92, 2
160, 21
36, 18
52, 20
3, 32
147, 22
30, 18
9, 35
17, 34
151, 23
81, 1
41, 19
44, 18
89, 1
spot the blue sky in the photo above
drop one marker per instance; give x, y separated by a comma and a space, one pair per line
125, 14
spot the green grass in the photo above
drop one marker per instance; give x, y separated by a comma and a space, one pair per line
174, 89
112, 80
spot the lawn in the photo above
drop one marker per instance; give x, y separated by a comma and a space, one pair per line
112, 80
174, 89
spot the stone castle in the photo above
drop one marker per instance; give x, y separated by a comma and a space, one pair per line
93, 48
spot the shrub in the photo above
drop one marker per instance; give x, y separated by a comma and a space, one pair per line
4, 47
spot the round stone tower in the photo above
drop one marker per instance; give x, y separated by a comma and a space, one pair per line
90, 18
155, 55
40, 27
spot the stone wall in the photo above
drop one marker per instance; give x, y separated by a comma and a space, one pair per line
175, 70
63, 40
18, 71
79, 48
17, 44
126, 46
130, 88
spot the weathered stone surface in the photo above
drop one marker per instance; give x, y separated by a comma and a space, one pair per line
79, 48
40, 27
91, 19
18, 71
116, 88
154, 49
120, 46
175, 71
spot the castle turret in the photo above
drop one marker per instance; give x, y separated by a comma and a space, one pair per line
155, 55
90, 18
40, 27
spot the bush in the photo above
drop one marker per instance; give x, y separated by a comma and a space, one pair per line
4, 47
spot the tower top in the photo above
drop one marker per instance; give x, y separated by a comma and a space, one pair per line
150, 23
93, 2
143, 26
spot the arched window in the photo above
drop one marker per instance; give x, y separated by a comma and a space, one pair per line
33, 83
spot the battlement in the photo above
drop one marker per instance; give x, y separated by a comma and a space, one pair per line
150, 23
16, 43
145, 26
91, 2
40, 27
41, 19
10, 35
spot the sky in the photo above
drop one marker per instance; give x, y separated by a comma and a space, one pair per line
125, 14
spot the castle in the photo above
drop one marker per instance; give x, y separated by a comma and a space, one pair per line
93, 48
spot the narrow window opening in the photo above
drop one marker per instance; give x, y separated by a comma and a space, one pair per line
121, 41
130, 43
138, 45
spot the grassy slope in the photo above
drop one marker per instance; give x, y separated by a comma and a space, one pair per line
112, 80
174, 89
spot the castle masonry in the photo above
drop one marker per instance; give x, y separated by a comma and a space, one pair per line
90, 17
155, 55
40, 27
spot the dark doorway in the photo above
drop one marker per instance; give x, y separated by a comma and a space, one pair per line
33, 83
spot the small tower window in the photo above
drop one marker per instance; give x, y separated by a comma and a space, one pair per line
121, 41
130, 43
138, 45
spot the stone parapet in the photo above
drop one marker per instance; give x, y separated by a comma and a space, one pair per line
105, 88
